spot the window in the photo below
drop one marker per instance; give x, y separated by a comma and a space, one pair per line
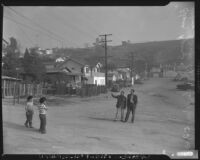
86, 70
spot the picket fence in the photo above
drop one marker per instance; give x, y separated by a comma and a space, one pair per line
20, 89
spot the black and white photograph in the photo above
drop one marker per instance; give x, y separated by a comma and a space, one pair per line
98, 79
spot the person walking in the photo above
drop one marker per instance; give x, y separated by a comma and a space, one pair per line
121, 104
131, 105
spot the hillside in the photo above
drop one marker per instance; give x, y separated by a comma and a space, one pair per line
164, 52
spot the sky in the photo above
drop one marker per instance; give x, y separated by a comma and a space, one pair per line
49, 27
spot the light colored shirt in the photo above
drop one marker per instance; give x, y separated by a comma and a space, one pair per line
42, 109
29, 106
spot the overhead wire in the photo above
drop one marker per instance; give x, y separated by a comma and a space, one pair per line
71, 25
64, 22
31, 28
20, 14
41, 27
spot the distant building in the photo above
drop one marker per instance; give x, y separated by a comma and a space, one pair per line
7, 86
66, 72
97, 78
49, 51
70, 71
155, 71
93, 74
60, 59
125, 42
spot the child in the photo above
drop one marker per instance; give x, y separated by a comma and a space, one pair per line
42, 114
29, 112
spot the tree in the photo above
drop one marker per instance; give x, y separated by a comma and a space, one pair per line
33, 65
139, 66
11, 59
92, 62
110, 66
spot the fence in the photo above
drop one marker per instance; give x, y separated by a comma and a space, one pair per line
91, 90
12, 87
30, 89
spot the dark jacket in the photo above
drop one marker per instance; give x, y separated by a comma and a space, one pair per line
121, 101
135, 100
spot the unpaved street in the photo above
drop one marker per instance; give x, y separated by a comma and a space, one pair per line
85, 125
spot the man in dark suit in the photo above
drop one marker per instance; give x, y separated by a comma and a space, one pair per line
131, 105
121, 104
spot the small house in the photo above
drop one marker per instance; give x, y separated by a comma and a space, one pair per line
9, 86
93, 74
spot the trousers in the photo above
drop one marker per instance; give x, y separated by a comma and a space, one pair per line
42, 123
29, 117
132, 110
122, 113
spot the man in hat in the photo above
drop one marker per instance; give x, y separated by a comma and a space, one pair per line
121, 104
131, 105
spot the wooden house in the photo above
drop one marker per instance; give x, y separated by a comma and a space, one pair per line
9, 86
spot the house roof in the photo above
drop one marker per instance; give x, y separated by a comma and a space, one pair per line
56, 71
76, 61
10, 78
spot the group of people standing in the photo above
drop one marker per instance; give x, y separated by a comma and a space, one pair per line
122, 103
29, 108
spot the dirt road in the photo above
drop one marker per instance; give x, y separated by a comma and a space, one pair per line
85, 125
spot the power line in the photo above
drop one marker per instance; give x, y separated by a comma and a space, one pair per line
27, 36
35, 23
31, 28
71, 25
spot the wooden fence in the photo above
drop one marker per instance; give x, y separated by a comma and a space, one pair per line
91, 90
30, 89
11, 88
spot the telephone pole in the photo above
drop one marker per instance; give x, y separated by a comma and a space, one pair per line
105, 46
132, 61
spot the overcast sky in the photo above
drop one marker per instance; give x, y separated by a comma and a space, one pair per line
75, 26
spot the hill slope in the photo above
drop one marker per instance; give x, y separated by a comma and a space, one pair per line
161, 52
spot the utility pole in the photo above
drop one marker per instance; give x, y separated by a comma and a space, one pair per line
105, 43
132, 62
132, 59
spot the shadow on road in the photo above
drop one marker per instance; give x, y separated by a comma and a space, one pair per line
103, 119
19, 126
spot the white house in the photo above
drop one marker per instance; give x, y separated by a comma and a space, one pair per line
93, 75
97, 78
113, 76
60, 59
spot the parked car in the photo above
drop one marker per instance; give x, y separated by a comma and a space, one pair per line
115, 88
182, 76
186, 86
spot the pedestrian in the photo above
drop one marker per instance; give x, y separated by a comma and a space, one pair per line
29, 112
121, 104
131, 105
42, 114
